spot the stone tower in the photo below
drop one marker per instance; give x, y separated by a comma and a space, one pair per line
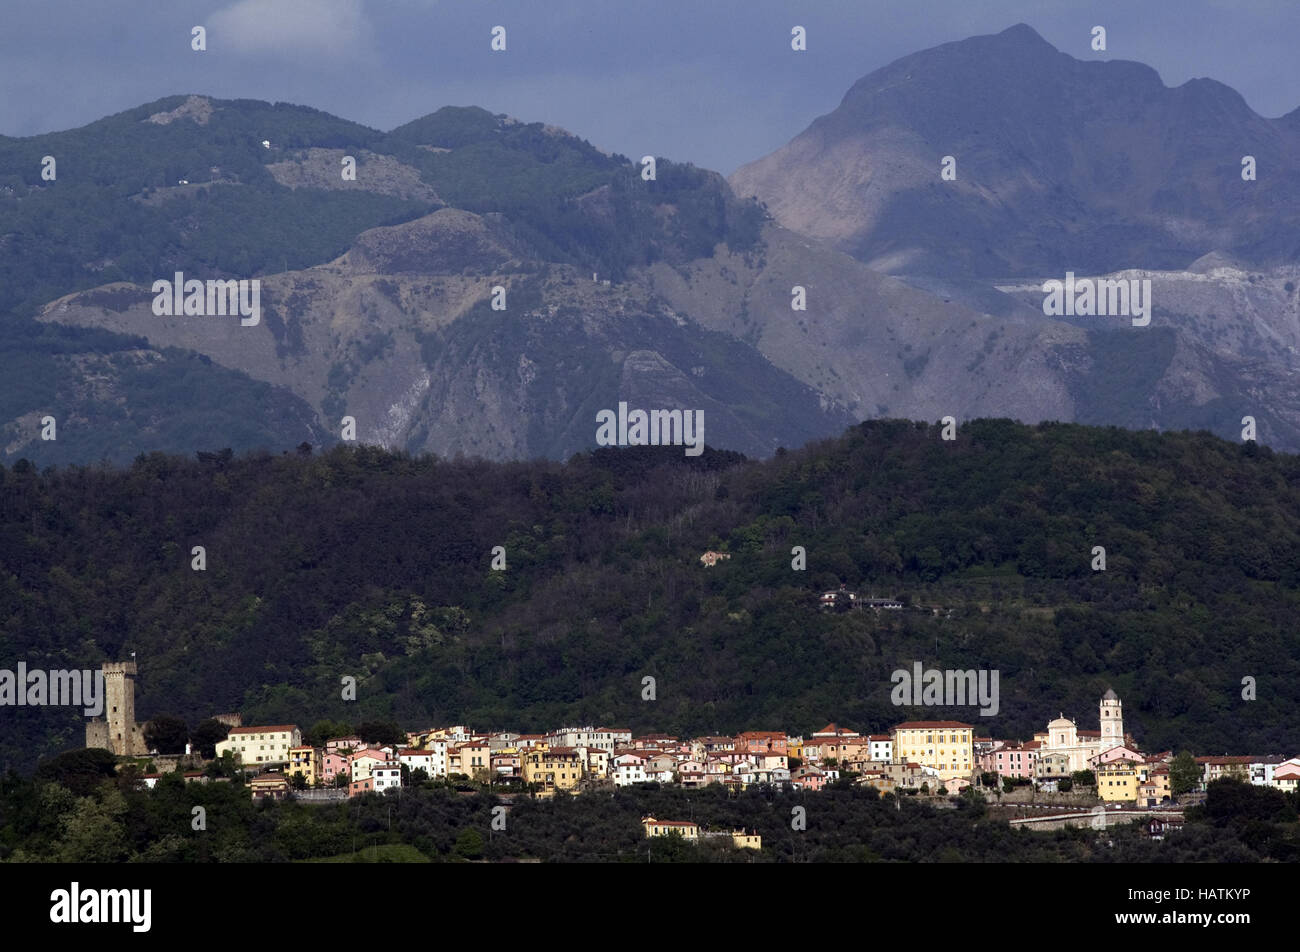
1112, 721
117, 730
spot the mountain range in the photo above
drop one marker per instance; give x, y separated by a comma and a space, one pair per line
485, 286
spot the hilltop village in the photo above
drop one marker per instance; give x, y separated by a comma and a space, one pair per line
929, 758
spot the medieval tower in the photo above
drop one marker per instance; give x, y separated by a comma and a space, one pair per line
117, 730
1112, 721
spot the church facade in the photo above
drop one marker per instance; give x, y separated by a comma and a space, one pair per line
1064, 748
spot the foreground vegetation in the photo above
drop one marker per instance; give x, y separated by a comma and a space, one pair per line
106, 820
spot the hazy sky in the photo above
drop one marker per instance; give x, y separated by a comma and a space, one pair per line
708, 81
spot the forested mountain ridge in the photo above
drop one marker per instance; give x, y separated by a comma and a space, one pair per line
377, 565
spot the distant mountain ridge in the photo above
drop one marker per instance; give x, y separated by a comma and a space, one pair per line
380, 300
1092, 165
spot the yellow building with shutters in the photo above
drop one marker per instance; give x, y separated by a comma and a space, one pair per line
553, 768
683, 828
1118, 782
946, 746
252, 746
307, 761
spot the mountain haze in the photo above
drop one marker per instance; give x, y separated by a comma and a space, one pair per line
1094, 166
923, 296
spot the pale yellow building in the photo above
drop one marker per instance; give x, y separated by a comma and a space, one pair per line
1154, 788
261, 745
1118, 782
746, 841
686, 830
946, 746
306, 761
473, 759
553, 768
269, 786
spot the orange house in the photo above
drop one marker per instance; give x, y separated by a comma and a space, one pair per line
762, 742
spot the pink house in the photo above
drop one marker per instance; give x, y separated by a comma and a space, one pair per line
1287, 777
1118, 753
333, 764
809, 778
1009, 759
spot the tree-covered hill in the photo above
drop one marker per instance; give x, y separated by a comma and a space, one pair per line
375, 565
95, 223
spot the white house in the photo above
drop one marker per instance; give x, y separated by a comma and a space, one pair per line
386, 775
627, 769
1261, 770
601, 738
598, 760
432, 762
660, 766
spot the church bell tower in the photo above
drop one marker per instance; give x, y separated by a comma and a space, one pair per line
1112, 721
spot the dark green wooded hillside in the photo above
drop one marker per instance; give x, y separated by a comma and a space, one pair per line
376, 565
